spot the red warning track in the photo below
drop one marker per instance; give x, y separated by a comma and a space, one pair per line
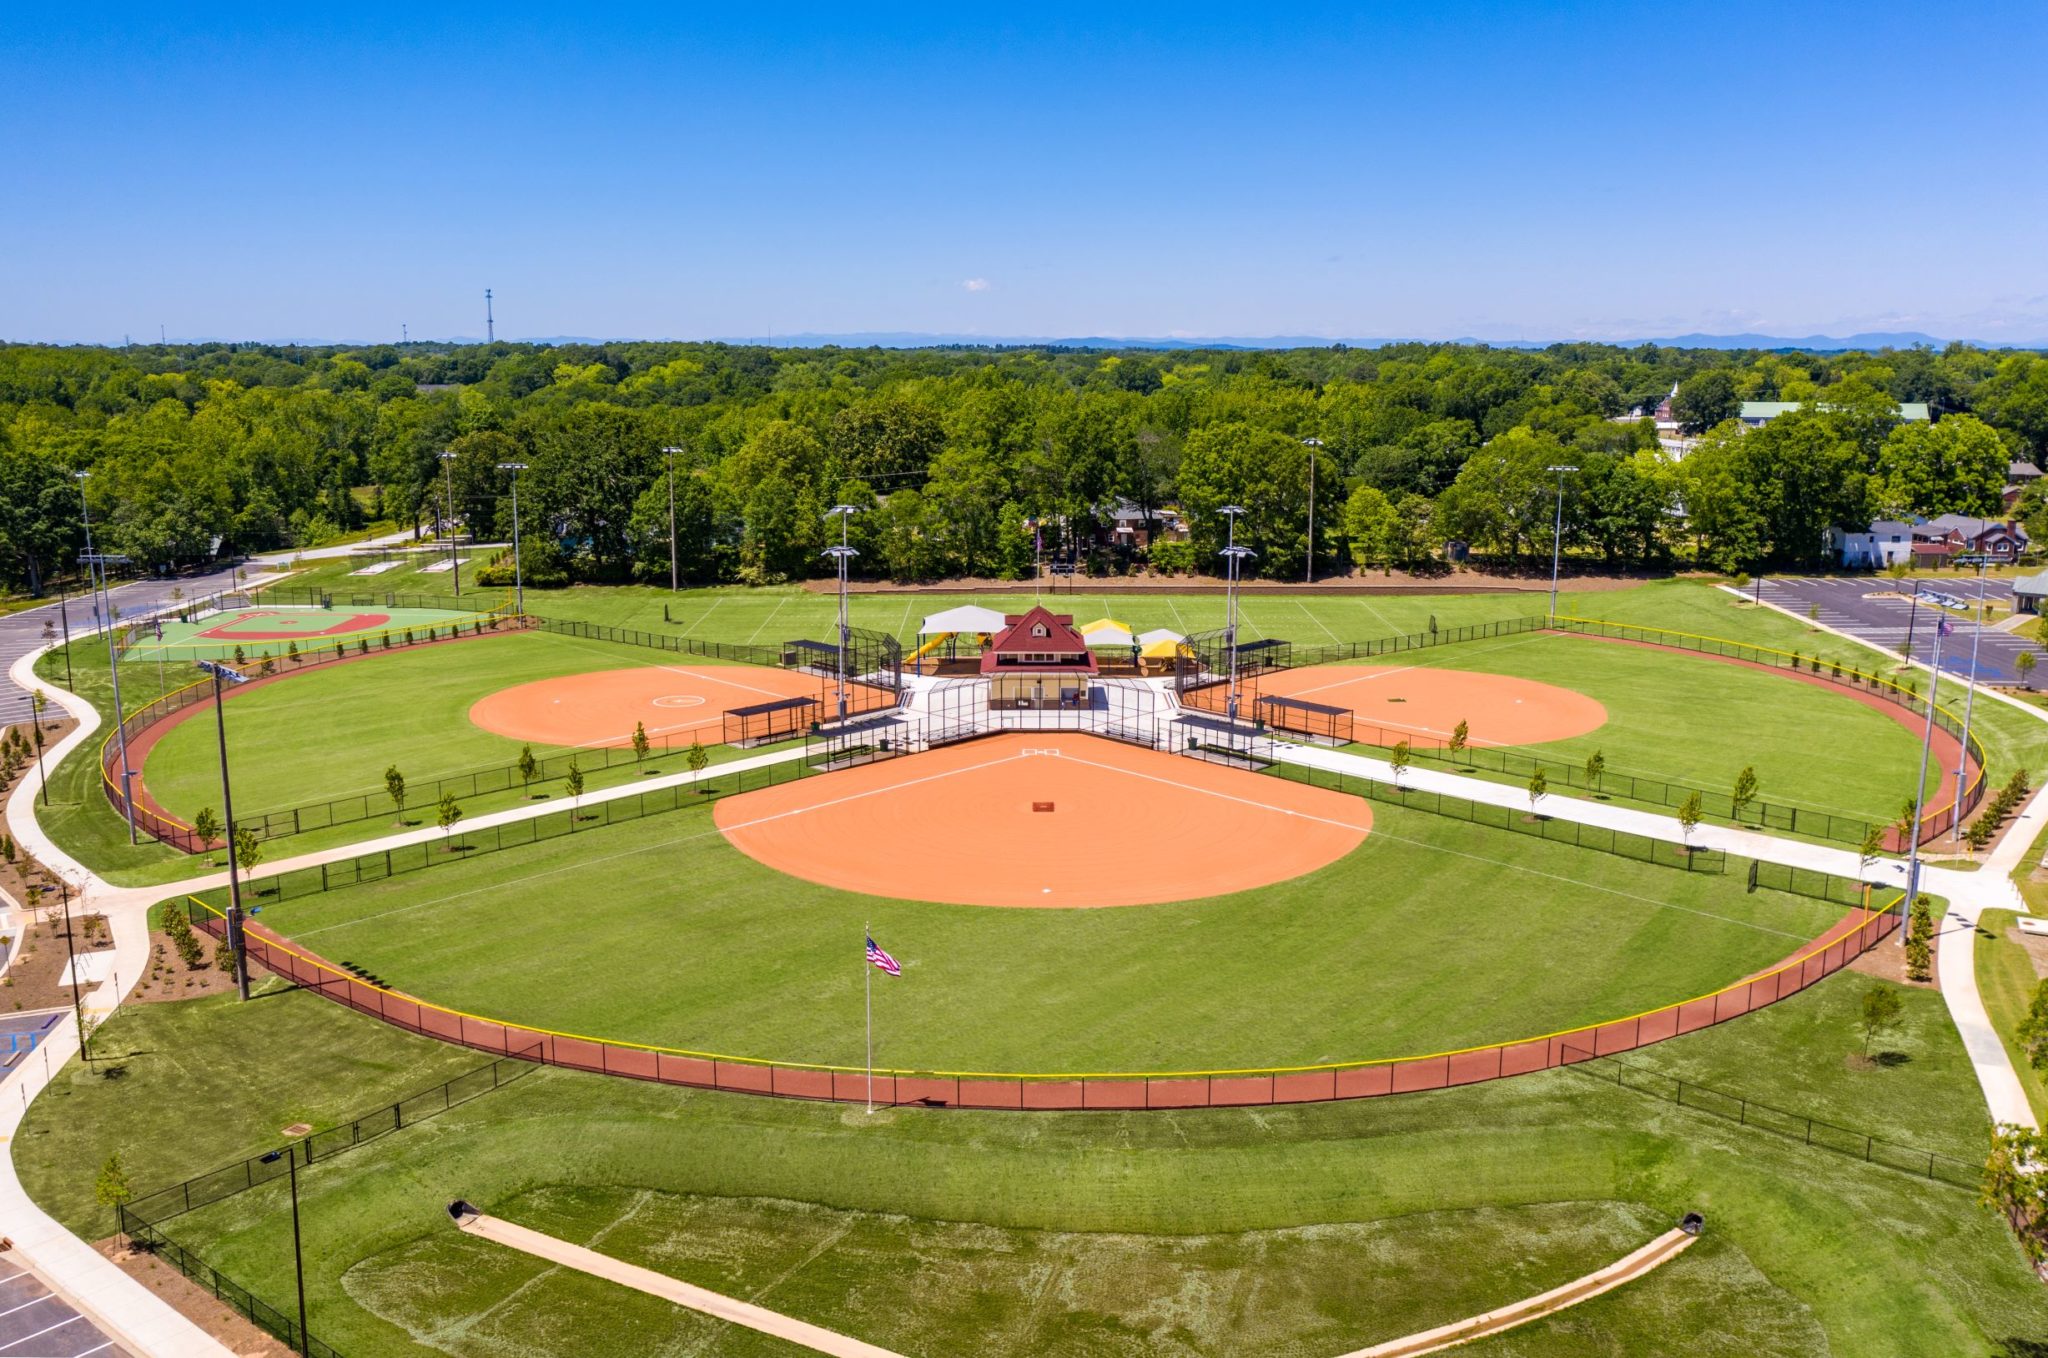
961, 826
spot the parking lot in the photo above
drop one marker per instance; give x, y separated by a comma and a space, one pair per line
1847, 605
35, 1324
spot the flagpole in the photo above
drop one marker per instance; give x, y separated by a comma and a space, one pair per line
868, 970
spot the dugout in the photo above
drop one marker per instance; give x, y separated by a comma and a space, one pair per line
1320, 722
764, 723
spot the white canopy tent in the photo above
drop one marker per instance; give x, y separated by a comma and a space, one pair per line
1159, 634
966, 618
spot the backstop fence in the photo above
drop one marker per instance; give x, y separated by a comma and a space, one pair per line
1066, 1091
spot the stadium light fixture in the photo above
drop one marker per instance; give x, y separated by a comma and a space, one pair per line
1314, 445
842, 554
671, 451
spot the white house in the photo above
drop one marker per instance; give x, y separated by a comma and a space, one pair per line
1886, 542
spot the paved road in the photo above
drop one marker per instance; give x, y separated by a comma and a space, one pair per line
1847, 605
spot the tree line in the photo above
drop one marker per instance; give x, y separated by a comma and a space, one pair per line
969, 461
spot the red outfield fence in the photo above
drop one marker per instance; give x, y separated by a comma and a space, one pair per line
1856, 934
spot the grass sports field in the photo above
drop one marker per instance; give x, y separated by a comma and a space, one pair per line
267, 630
419, 710
1432, 934
1300, 1231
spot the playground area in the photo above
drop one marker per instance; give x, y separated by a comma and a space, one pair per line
1044, 820
280, 630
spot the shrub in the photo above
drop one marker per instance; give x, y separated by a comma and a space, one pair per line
1919, 959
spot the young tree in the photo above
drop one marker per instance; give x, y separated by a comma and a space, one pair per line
1689, 818
697, 757
2033, 1029
2025, 665
2015, 1185
394, 788
1397, 759
224, 958
1596, 767
1867, 852
248, 849
639, 741
1878, 1011
206, 825
1745, 790
447, 813
1539, 785
528, 766
112, 1189
575, 784
1460, 735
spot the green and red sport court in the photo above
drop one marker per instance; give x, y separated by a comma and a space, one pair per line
265, 631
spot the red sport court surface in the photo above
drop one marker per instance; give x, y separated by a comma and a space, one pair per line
1429, 703
265, 624
1128, 826
589, 710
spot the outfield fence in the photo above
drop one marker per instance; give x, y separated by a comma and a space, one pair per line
1793, 1126
1859, 931
1200, 683
168, 829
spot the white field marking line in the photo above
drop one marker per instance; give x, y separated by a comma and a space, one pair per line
715, 832
1650, 901
1182, 622
1225, 796
770, 618
904, 621
633, 662
1418, 665
1312, 617
704, 617
1384, 620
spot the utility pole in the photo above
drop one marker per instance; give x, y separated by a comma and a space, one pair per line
518, 566
1312, 444
1969, 700
448, 500
1557, 535
1920, 788
672, 577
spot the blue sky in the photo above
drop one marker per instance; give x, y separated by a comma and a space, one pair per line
1506, 171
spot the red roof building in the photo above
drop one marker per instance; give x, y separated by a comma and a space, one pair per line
1039, 642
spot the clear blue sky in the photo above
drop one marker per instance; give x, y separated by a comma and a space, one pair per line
1431, 169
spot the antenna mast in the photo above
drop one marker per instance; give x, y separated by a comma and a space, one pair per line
490, 326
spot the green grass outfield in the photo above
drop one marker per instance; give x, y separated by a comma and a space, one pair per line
1298, 1231
331, 732
1434, 934
1671, 716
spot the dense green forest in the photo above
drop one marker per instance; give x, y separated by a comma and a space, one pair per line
959, 453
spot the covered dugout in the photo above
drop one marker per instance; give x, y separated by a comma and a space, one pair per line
766, 723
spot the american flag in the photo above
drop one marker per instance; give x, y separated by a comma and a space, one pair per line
882, 960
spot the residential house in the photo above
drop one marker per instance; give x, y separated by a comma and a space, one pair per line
1886, 542
2018, 476
1994, 540
1948, 540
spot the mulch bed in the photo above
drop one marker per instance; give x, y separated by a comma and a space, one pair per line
31, 982
194, 1302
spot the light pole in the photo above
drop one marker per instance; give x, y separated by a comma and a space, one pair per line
1233, 554
672, 576
101, 561
1969, 700
448, 504
518, 566
1312, 444
1557, 535
227, 802
77, 983
290, 1156
1920, 789
842, 554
